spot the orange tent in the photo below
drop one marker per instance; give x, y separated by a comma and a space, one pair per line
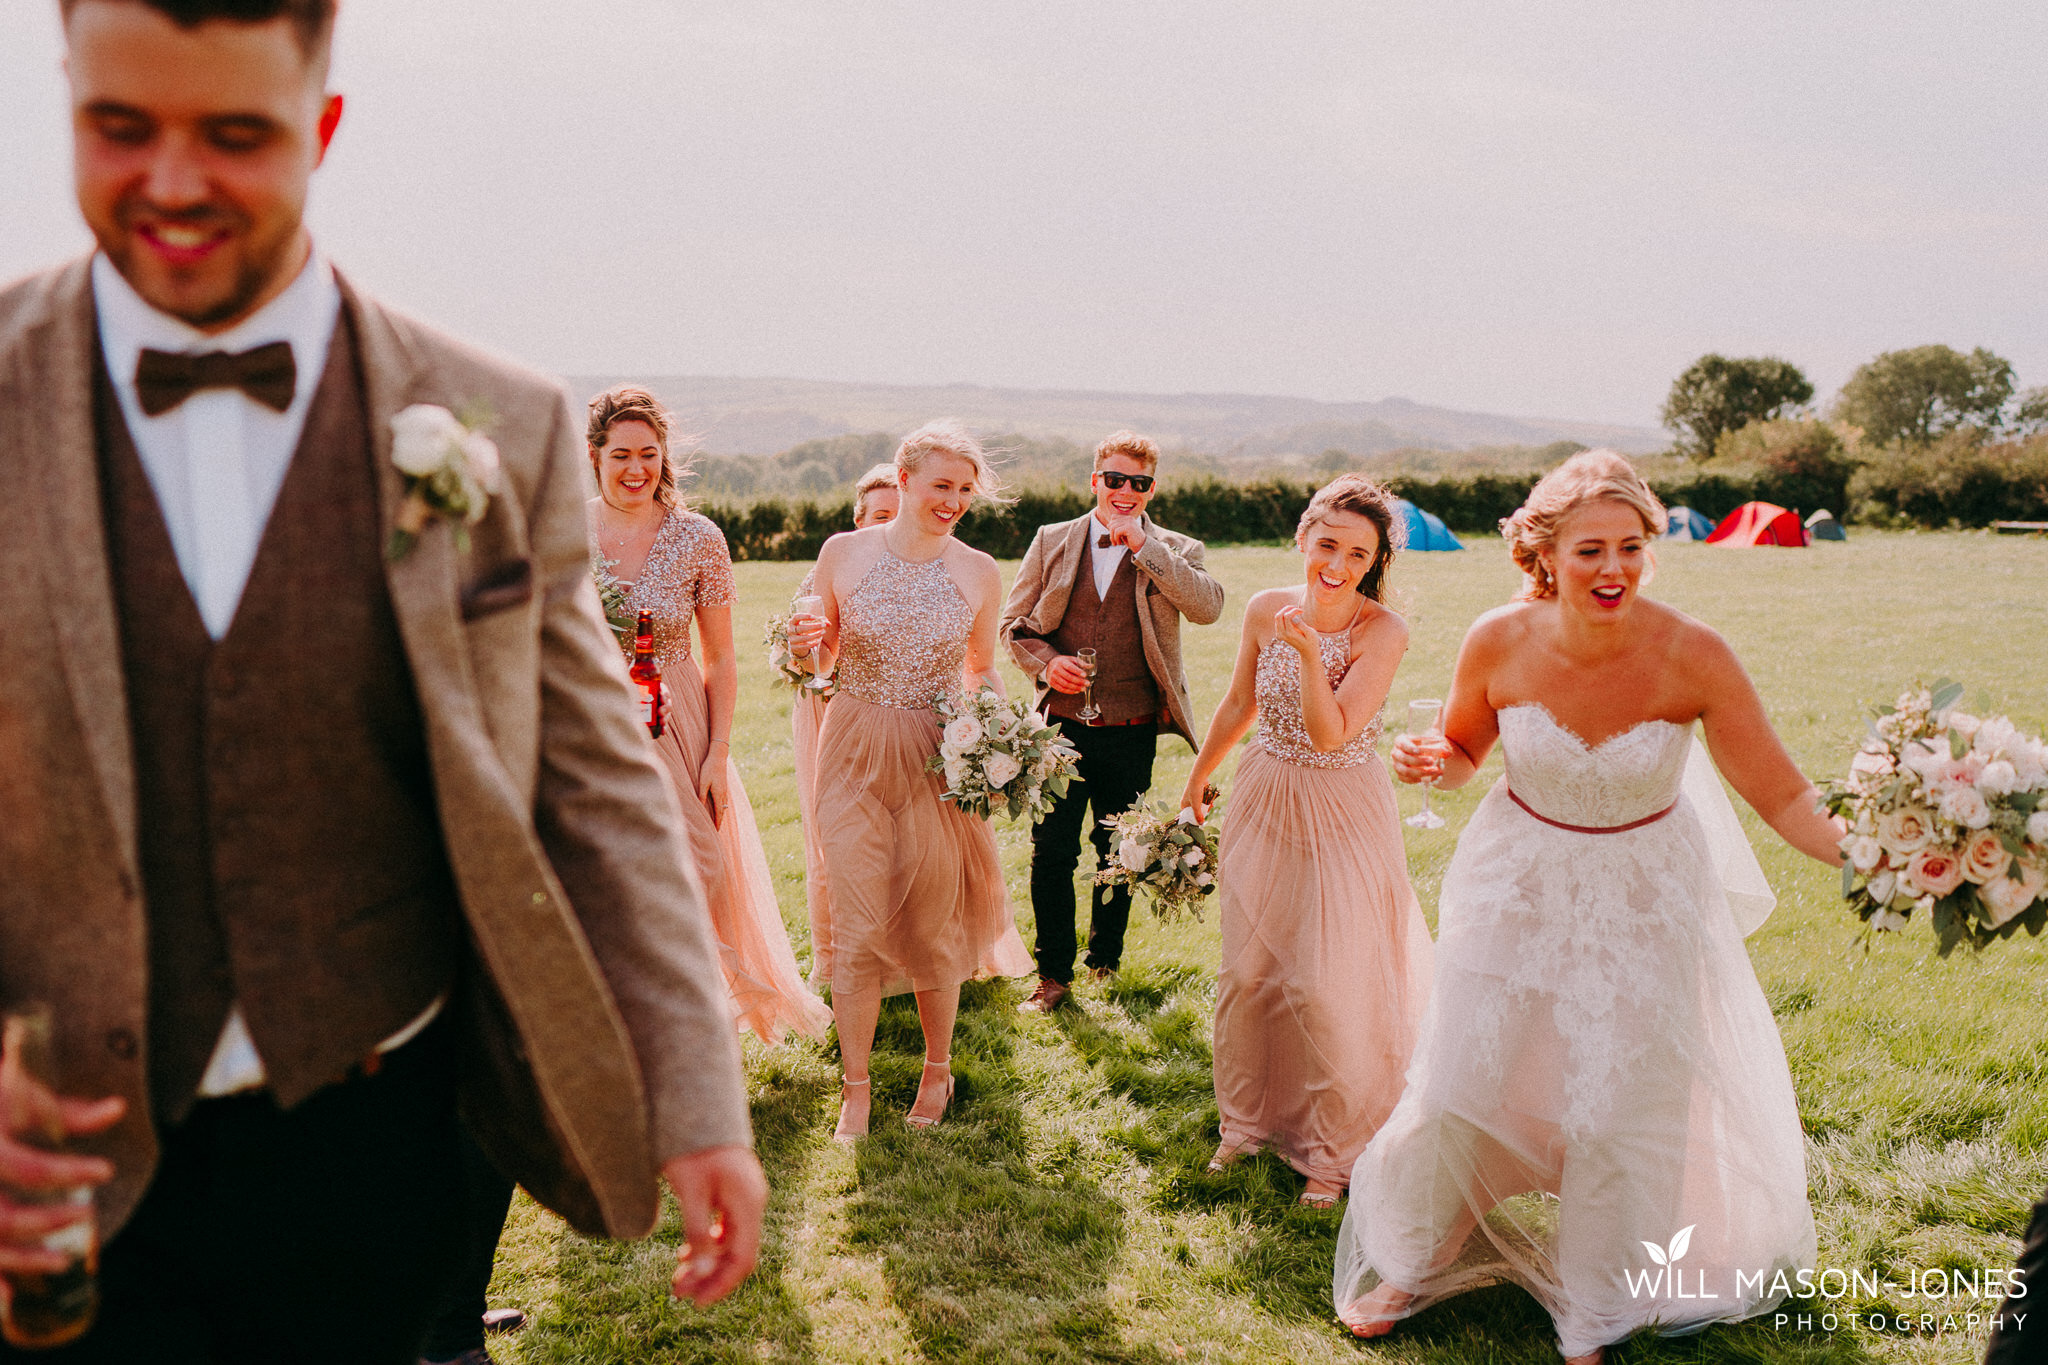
1759, 523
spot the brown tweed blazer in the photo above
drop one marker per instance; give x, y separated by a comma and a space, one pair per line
1171, 584
596, 1032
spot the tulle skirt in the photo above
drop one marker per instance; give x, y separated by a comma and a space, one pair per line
1598, 1070
768, 991
917, 899
1326, 962
806, 732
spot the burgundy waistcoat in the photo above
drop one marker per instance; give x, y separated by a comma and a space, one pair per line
292, 859
1124, 686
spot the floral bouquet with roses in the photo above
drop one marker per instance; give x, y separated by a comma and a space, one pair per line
1948, 815
1000, 756
1172, 856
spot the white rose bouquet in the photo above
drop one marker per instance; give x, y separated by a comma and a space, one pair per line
1947, 814
1001, 756
788, 668
1172, 856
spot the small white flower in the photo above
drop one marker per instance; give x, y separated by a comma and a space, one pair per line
956, 773
1864, 852
1999, 778
422, 436
1134, 856
1966, 806
1887, 921
1884, 886
482, 453
1193, 857
1964, 724
1206, 879
1000, 768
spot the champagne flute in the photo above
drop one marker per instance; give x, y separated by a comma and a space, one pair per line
1422, 720
1087, 713
811, 604
44, 1309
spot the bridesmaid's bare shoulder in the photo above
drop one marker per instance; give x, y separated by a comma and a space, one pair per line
848, 551
976, 571
1259, 609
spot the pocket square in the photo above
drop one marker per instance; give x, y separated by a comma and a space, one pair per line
508, 585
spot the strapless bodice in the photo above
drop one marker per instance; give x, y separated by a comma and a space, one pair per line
1282, 731
1624, 778
903, 634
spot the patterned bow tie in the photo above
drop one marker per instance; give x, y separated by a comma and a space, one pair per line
268, 374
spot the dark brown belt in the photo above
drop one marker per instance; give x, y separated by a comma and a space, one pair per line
1590, 829
1134, 720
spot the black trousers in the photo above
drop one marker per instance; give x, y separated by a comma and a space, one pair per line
459, 1319
320, 1234
1116, 769
2013, 1344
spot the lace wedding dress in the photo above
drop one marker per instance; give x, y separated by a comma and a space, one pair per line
1598, 1068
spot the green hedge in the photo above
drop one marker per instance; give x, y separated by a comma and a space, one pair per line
1267, 510
1956, 481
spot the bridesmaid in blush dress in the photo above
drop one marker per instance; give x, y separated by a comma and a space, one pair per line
875, 499
1326, 958
917, 892
678, 568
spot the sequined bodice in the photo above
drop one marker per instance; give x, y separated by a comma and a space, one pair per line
903, 634
1624, 778
688, 567
1282, 732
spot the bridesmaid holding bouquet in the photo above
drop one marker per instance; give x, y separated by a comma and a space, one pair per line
1326, 958
674, 562
917, 892
875, 500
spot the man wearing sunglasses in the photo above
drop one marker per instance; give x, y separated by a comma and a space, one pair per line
1115, 583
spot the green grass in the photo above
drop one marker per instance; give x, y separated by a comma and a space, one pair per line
1062, 1212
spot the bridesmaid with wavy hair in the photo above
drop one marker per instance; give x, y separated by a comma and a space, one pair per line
1326, 958
918, 902
674, 563
875, 500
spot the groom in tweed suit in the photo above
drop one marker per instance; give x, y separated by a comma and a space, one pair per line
308, 847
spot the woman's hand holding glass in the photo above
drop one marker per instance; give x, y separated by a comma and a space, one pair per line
807, 635
1420, 758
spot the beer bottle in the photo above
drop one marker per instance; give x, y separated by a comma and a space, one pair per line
44, 1310
647, 673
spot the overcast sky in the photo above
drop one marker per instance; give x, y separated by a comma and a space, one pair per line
1534, 209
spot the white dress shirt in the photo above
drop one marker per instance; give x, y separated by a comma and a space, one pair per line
216, 463
217, 460
1105, 561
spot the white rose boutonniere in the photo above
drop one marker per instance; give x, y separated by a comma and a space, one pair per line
451, 470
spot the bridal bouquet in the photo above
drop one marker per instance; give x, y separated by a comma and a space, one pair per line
1000, 755
789, 669
1948, 814
618, 608
1172, 856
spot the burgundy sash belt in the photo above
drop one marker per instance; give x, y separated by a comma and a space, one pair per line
1590, 829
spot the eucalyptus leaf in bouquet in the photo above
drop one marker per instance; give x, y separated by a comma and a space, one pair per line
1948, 817
618, 606
1171, 855
789, 670
1000, 757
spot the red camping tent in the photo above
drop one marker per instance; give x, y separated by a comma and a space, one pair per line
1759, 523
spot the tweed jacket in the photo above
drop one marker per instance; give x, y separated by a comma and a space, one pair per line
593, 1025
1170, 583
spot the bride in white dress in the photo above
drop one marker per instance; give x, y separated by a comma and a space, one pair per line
1598, 1069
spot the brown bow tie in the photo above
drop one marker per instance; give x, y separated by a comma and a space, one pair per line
1103, 543
268, 374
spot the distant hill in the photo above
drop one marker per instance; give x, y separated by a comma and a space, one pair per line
764, 416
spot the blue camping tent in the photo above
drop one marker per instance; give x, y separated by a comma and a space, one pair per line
1426, 530
1686, 524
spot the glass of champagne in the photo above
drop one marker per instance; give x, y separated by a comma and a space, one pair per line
1088, 712
1422, 720
810, 604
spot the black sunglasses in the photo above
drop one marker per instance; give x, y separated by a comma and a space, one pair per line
1112, 479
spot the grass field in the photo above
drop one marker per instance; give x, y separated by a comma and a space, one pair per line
1062, 1213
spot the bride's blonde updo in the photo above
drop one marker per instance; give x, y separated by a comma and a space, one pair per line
1587, 476
947, 437
631, 403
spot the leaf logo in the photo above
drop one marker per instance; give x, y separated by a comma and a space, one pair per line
1670, 1255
